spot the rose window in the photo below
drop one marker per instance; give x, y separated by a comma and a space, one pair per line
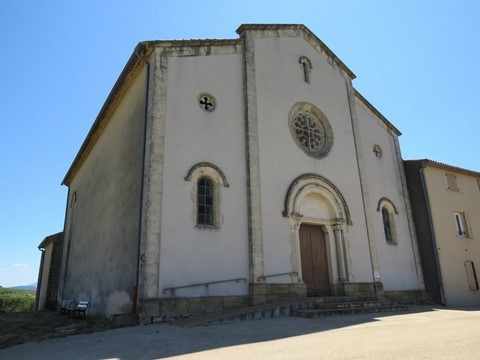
311, 130
310, 133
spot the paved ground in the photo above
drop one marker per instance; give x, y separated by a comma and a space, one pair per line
422, 333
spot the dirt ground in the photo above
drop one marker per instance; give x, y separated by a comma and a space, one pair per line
21, 327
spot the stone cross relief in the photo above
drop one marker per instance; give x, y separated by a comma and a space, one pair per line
307, 68
377, 150
206, 103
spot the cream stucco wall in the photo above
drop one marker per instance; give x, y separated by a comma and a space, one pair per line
189, 255
101, 241
397, 265
453, 250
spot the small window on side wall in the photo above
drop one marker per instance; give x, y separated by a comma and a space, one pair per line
471, 275
461, 224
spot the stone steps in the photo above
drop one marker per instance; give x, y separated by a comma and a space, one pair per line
304, 307
349, 308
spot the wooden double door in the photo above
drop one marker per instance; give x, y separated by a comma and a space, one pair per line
313, 252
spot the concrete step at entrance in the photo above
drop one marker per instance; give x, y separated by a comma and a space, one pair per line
282, 308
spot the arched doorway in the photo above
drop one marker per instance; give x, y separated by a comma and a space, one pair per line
319, 220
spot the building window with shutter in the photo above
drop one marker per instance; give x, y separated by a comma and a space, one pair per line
461, 224
471, 275
451, 182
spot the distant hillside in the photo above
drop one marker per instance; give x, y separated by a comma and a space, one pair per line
25, 287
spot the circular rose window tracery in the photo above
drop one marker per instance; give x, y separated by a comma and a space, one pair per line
311, 130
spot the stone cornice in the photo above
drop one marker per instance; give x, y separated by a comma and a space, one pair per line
277, 30
194, 43
377, 113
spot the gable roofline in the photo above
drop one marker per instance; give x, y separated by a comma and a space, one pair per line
309, 35
108, 108
134, 64
49, 239
439, 165
377, 113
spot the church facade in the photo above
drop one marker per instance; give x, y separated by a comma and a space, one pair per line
221, 173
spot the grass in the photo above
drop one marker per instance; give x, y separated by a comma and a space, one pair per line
21, 327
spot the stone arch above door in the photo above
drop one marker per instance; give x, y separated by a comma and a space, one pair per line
316, 188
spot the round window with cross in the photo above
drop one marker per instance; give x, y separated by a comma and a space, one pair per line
206, 102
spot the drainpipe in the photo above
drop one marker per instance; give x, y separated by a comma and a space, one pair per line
430, 224
140, 200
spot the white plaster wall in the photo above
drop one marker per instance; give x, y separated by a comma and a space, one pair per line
192, 135
396, 262
452, 250
280, 84
102, 263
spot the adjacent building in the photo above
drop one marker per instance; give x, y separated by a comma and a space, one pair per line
446, 208
221, 173
49, 272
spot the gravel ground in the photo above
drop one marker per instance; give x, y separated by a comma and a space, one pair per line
422, 333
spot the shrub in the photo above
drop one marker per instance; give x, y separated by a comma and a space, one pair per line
12, 300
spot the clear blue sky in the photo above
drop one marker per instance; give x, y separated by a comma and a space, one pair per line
416, 61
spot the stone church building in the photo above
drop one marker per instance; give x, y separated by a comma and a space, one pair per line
221, 173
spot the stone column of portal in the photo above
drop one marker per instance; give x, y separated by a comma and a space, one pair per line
255, 235
342, 274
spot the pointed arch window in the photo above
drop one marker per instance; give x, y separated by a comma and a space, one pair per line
205, 203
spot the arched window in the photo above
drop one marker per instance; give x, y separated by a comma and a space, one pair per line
388, 211
387, 226
205, 194
208, 182
307, 67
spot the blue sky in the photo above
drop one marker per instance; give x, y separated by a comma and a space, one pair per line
416, 61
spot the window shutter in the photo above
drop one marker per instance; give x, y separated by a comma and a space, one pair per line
452, 182
471, 275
